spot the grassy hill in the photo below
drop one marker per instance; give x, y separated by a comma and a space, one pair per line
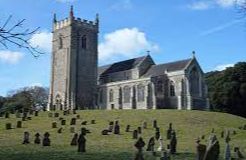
188, 125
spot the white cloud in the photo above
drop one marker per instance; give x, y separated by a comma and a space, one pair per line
200, 5
122, 5
223, 67
42, 40
10, 56
126, 42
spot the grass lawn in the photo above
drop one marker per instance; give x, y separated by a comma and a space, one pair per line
188, 126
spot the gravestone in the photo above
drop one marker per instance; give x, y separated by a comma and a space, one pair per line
82, 141
73, 121
59, 130
203, 137
238, 154
169, 131
63, 122
213, 149
19, 124
157, 135
154, 124
200, 150
139, 145
7, 115
8, 126
46, 139
29, 118
111, 126
84, 123
93, 121
54, 125
72, 129
139, 130
227, 150
128, 128
50, 114
74, 141
173, 143
116, 128
104, 132
36, 113
37, 138
61, 118
56, 114
135, 134
78, 116
157, 129
161, 145
144, 125
26, 138
64, 113
151, 145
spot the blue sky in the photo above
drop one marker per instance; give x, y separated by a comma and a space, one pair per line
171, 30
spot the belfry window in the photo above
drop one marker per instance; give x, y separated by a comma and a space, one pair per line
83, 42
172, 89
60, 42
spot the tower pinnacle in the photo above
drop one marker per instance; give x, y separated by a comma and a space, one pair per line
54, 18
71, 12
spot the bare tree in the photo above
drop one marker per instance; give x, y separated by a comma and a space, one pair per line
15, 34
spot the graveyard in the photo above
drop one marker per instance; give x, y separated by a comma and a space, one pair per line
188, 125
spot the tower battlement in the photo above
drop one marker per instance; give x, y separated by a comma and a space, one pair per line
71, 20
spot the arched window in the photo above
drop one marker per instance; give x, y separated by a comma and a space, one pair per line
60, 42
172, 89
111, 95
83, 42
127, 94
141, 90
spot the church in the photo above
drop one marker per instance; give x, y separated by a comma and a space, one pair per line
139, 83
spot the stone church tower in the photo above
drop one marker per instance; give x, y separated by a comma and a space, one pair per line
74, 63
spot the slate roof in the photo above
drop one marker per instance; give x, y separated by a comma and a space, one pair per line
120, 66
156, 70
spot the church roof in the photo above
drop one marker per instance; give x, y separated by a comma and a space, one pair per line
120, 66
156, 70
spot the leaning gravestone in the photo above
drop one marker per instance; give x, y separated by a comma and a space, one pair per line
116, 128
135, 134
151, 145
154, 124
169, 131
82, 141
200, 150
157, 135
227, 149
56, 114
74, 141
37, 138
63, 122
19, 124
173, 143
8, 126
54, 125
46, 139
73, 121
26, 138
139, 130
213, 149
128, 128
139, 145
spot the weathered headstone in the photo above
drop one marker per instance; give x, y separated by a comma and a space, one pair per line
151, 145
36, 113
144, 125
93, 121
63, 122
139, 130
128, 128
84, 123
56, 114
173, 143
59, 130
111, 126
37, 138
213, 149
46, 139
161, 145
8, 126
157, 135
7, 115
227, 150
116, 128
73, 121
169, 131
200, 150
74, 141
72, 129
155, 124
104, 132
19, 124
54, 125
237, 154
26, 138
135, 134
82, 141
78, 116
139, 145
29, 118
